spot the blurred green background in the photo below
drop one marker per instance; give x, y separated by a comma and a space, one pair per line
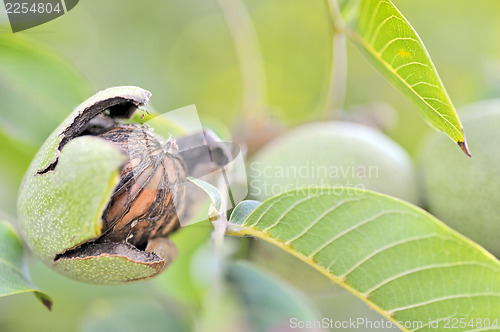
183, 52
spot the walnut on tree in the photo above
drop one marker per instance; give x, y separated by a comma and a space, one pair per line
101, 196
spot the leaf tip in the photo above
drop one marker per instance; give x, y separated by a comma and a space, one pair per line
463, 146
45, 299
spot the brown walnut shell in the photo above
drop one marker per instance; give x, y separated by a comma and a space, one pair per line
152, 184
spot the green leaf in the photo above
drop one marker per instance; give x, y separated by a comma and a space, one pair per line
395, 48
242, 211
269, 302
38, 88
211, 191
397, 258
13, 276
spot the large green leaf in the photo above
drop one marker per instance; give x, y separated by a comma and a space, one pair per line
395, 48
38, 89
399, 259
13, 276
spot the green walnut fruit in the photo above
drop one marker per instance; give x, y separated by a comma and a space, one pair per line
465, 192
334, 154
100, 196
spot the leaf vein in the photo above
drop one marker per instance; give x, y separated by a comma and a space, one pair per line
352, 228
425, 83
384, 248
319, 219
437, 100
411, 64
444, 298
423, 268
379, 27
369, 28
263, 213
12, 266
290, 208
384, 48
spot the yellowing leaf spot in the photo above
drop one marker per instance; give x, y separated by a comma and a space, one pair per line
404, 54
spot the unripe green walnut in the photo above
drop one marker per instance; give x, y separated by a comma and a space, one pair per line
99, 197
335, 154
465, 192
